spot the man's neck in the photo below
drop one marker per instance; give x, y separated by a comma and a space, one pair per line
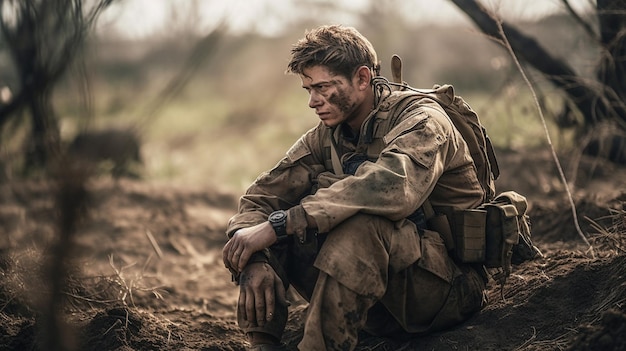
361, 113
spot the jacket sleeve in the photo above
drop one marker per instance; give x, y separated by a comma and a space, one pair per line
283, 186
416, 154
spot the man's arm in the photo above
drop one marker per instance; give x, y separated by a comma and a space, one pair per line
283, 186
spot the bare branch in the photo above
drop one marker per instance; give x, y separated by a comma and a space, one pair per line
202, 51
43, 38
586, 26
547, 133
592, 103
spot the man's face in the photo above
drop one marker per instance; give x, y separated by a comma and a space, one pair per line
334, 98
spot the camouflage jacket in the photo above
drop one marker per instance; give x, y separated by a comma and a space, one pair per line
411, 150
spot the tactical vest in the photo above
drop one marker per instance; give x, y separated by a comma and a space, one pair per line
371, 140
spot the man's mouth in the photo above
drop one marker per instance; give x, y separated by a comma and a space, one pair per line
322, 115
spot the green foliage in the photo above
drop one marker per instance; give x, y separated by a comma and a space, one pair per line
512, 119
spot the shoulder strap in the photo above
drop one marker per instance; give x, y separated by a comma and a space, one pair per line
334, 156
429, 212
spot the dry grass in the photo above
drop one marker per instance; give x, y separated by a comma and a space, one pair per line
610, 238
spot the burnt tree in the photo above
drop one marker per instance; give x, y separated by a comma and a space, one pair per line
598, 102
42, 37
612, 68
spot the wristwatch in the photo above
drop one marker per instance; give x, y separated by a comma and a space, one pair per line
278, 220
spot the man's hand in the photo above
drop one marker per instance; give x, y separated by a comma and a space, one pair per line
245, 242
259, 287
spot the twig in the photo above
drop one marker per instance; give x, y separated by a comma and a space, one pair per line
609, 234
87, 299
586, 26
7, 302
127, 287
117, 321
507, 45
154, 243
527, 342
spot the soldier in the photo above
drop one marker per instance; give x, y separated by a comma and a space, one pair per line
340, 217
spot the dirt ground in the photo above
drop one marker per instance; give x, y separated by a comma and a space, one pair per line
146, 270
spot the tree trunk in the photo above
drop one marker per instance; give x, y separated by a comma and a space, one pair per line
612, 68
43, 37
592, 102
45, 142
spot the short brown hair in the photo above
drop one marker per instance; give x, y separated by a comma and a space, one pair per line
341, 49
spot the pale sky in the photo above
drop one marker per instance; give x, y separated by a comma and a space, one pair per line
140, 18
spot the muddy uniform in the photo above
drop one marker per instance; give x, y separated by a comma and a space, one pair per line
365, 254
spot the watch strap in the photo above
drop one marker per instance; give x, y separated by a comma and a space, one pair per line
278, 220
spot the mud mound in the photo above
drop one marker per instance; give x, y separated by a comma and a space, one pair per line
553, 221
610, 334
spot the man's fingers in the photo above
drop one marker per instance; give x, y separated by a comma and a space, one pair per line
250, 308
281, 293
231, 254
234, 260
260, 310
226, 254
269, 303
243, 258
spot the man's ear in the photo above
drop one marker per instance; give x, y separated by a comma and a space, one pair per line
363, 77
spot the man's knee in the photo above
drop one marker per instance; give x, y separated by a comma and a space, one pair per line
361, 233
356, 253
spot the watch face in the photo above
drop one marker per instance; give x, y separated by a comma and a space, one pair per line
277, 216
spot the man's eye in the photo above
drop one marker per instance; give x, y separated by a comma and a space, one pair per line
322, 88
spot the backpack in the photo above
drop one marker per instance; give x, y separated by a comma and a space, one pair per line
474, 133
497, 233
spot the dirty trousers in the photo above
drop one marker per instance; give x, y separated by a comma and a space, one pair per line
375, 275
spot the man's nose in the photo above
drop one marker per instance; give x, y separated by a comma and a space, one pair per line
315, 99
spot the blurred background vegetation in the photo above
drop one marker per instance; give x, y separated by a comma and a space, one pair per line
211, 103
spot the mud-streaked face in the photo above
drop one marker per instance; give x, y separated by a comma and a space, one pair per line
334, 98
